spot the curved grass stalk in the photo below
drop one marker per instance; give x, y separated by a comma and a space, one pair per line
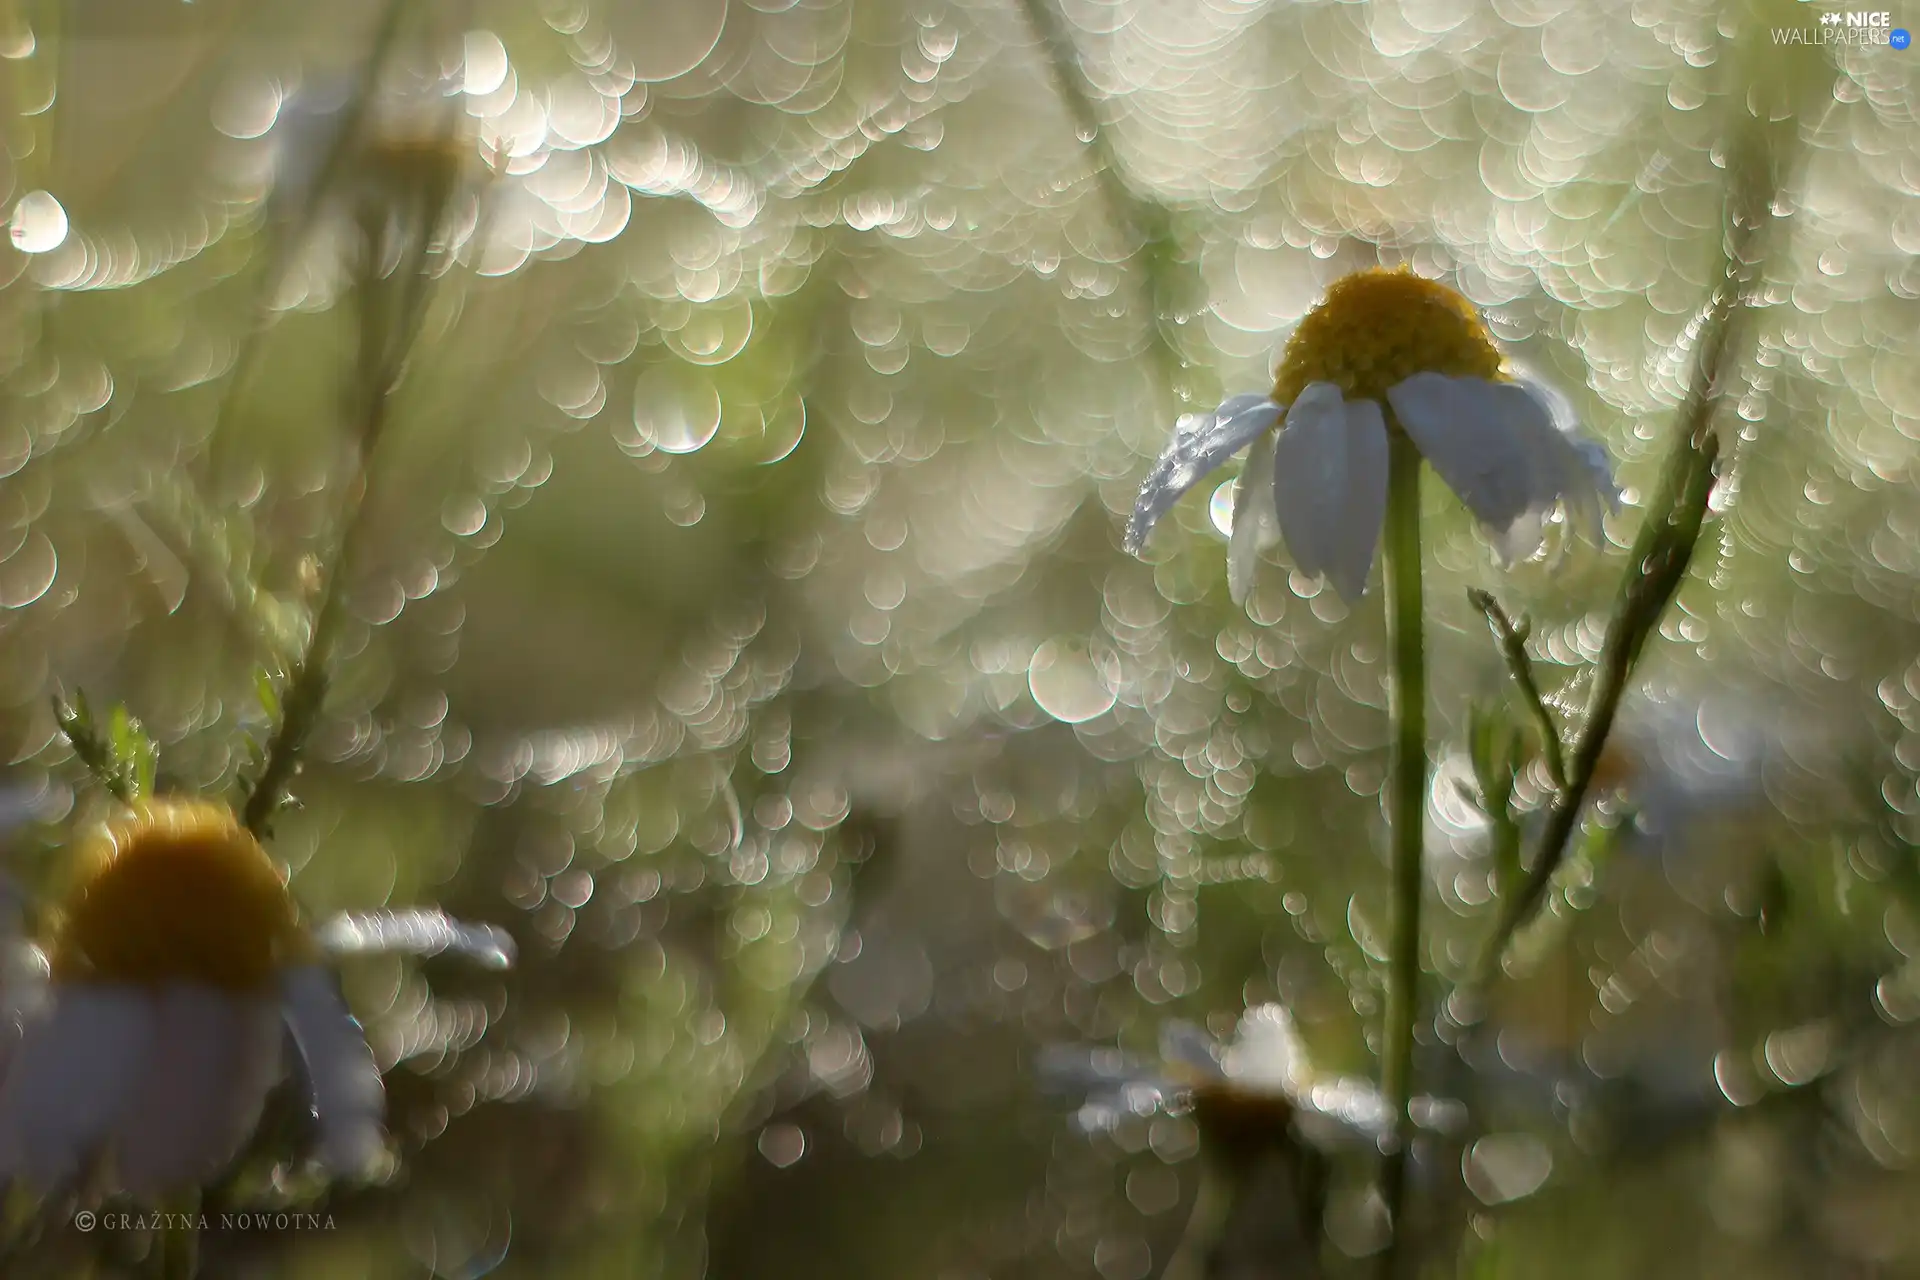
1146, 219
1406, 817
1663, 549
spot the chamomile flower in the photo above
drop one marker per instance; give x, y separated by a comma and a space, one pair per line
403, 141
1385, 353
1259, 1081
176, 967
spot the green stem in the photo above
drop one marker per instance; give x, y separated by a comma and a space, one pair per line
392, 310
1133, 212
306, 687
293, 236
177, 1250
1763, 153
1406, 813
307, 683
1512, 639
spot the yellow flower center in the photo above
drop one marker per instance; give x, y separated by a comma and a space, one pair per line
1240, 1126
1378, 328
179, 893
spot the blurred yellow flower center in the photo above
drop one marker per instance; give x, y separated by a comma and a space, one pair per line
1239, 1126
179, 893
1378, 328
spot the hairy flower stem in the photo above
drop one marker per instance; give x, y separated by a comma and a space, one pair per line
392, 308
1406, 816
387, 330
307, 684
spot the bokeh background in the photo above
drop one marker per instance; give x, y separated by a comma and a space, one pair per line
743, 624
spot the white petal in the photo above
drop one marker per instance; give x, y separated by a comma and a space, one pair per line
215, 1054
1363, 506
1521, 538
1201, 442
1559, 409
345, 1084
1350, 1108
1464, 428
23, 966
1563, 467
1254, 525
71, 1079
1266, 1050
1244, 407
1541, 460
1584, 514
1599, 466
1184, 1045
420, 931
1508, 449
1310, 476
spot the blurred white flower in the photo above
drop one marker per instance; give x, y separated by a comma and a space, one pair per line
175, 974
397, 136
1262, 1075
380, 172
1682, 762
1385, 351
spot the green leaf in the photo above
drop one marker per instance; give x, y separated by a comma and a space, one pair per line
1483, 1258
1496, 746
76, 722
135, 757
268, 695
123, 761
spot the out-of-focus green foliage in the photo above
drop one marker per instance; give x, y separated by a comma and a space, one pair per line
740, 619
